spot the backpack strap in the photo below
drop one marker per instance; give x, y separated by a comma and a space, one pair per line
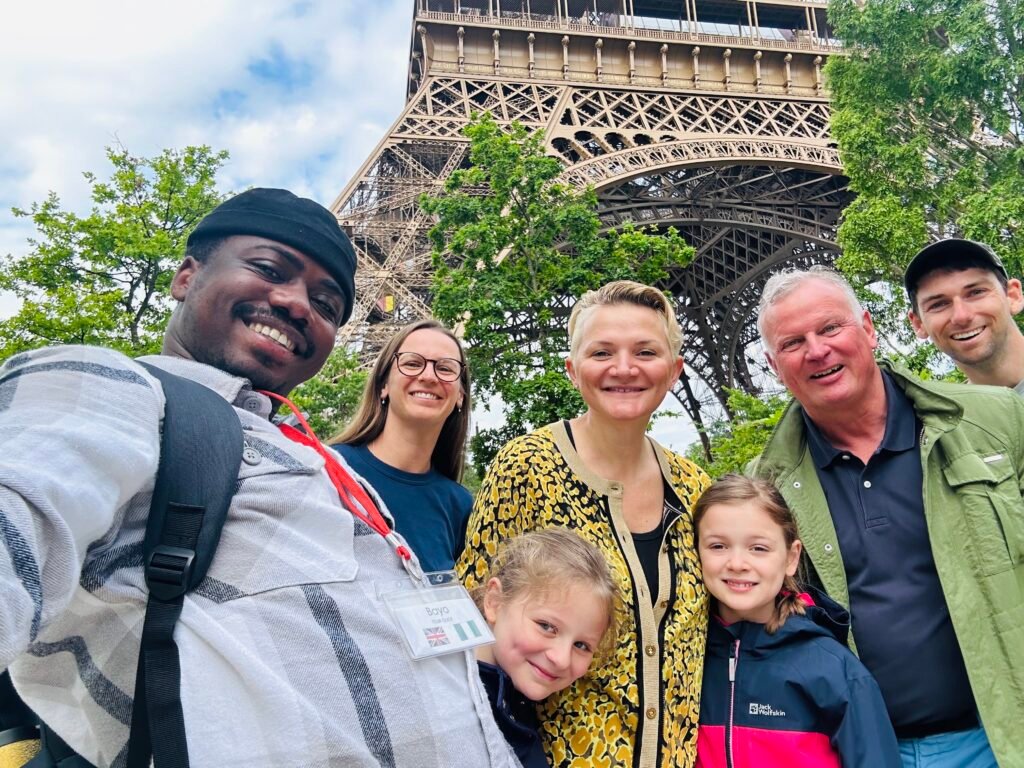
200, 453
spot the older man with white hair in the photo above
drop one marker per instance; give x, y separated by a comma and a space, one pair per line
908, 498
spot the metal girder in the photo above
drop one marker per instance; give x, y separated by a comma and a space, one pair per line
747, 173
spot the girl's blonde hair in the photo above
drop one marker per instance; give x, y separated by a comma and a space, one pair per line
537, 563
732, 489
624, 292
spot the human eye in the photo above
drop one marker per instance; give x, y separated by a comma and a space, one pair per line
448, 367
583, 645
411, 363
760, 548
600, 353
545, 626
328, 307
647, 352
790, 345
267, 269
831, 329
715, 546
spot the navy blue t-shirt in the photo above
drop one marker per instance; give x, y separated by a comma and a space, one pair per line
430, 510
901, 624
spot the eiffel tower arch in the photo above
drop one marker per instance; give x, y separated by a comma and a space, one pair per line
707, 115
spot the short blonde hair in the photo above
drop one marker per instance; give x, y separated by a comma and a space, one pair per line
624, 292
534, 564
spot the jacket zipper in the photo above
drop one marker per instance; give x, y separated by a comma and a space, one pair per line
734, 661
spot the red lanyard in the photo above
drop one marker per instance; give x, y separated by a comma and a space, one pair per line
352, 493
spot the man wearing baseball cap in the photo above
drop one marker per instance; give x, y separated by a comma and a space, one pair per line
287, 655
962, 298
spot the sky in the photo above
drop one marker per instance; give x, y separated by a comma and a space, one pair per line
299, 94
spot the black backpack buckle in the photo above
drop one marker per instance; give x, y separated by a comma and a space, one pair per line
168, 571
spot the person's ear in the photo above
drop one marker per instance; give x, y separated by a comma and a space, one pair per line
793, 557
493, 599
917, 325
869, 328
677, 372
570, 369
1015, 294
187, 272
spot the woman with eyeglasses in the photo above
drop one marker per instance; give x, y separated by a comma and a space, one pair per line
408, 439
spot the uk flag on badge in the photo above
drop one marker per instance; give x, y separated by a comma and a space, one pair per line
436, 636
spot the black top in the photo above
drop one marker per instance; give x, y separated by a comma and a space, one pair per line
515, 715
648, 543
901, 624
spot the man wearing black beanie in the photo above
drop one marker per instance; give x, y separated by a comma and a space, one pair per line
287, 654
267, 280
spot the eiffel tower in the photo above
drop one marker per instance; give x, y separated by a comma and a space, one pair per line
710, 116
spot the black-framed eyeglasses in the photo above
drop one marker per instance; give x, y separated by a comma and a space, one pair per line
413, 363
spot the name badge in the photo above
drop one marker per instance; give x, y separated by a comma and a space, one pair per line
437, 619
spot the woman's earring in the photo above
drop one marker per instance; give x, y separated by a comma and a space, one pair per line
383, 401
458, 408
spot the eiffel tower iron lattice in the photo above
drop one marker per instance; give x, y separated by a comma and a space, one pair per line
707, 115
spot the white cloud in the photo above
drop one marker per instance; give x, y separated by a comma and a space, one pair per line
298, 92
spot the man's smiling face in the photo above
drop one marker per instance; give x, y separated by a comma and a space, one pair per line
968, 314
256, 308
821, 348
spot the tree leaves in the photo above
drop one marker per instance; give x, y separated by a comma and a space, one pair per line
927, 112
513, 249
331, 397
103, 278
735, 443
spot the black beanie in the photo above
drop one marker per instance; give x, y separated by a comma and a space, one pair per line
278, 215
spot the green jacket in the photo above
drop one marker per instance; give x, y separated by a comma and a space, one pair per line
972, 457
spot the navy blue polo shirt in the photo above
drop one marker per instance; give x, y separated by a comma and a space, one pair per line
900, 620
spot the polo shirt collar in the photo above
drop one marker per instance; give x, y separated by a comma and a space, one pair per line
900, 427
236, 390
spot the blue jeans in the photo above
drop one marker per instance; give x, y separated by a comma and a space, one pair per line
960, 749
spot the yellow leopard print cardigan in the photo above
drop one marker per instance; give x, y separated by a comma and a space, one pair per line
639, 707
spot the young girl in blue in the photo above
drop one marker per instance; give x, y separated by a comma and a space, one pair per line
780, 686
551, 603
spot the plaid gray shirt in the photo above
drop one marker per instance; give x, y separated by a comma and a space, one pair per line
287, 655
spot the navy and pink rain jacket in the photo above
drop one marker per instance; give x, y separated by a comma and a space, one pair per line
798, 697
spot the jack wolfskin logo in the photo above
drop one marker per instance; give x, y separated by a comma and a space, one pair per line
765, 710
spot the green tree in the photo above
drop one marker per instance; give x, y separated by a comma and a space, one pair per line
513, 249
331, 398
927, 112
103, 278
735, 443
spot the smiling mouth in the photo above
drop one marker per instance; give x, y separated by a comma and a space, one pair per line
967, 335
545, 675
829, 372
425, 396
624, 390
274, 335
740, 586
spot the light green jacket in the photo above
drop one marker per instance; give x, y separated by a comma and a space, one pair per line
972, 457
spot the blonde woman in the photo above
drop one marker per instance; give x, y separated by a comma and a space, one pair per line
601, 475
